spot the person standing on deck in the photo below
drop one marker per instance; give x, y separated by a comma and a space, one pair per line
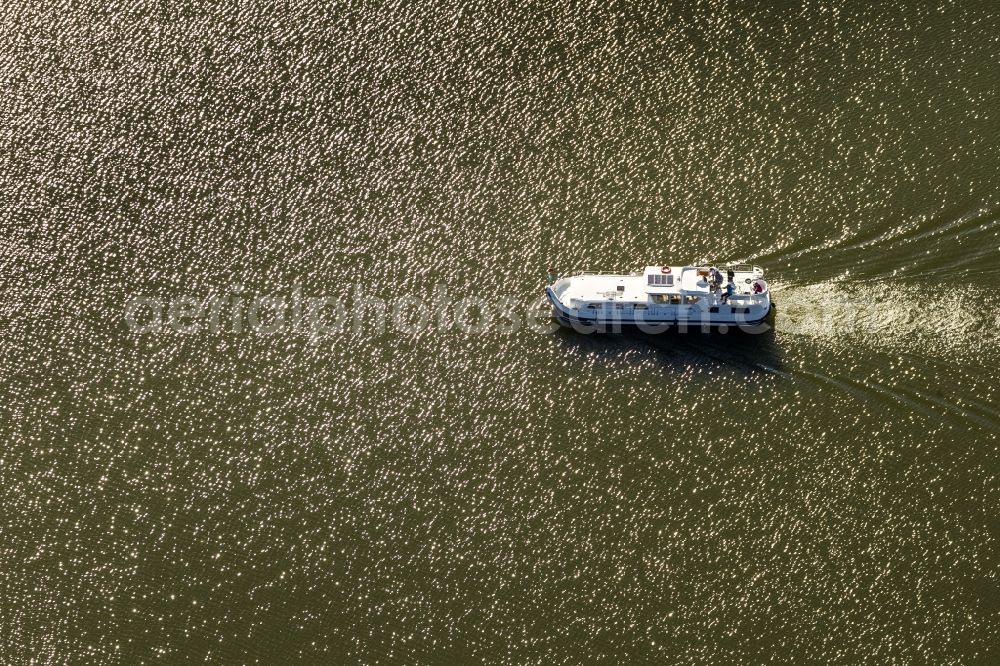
714, 279
730, 290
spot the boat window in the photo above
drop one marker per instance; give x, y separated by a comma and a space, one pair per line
640, 306
619, 306
675, 299
690, 299
660, 280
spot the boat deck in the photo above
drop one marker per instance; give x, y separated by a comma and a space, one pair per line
635, 288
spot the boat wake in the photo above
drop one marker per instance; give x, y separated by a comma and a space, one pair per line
888, 315
957, 246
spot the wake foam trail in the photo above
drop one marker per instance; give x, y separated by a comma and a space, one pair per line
924, 245
952, 322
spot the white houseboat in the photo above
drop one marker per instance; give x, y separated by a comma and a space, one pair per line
661, 298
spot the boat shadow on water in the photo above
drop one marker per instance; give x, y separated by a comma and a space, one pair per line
742, 353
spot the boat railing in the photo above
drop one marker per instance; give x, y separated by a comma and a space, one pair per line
578, 273
738, 268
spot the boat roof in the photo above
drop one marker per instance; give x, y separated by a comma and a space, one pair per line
670, 279
653, 280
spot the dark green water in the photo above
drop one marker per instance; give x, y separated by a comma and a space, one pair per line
825, 494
